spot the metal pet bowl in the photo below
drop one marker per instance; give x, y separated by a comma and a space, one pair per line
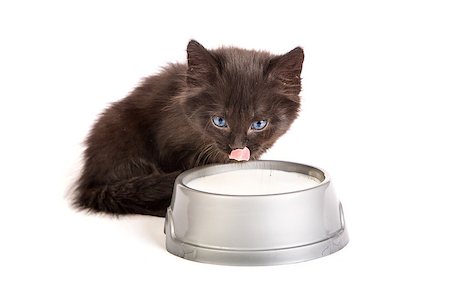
257, 229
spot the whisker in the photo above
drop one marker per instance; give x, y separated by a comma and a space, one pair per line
203, 154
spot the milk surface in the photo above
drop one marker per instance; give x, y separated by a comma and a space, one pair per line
254, 182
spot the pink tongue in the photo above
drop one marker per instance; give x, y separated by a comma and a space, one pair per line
240, 154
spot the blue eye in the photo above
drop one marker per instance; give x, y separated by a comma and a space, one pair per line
259, 125
219, 122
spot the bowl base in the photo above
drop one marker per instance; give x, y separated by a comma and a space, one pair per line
265, 257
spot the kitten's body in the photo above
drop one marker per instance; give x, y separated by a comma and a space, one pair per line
140, 144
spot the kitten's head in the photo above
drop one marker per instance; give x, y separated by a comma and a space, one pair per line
240, 98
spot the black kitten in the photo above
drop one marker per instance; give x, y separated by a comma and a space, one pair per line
225, 104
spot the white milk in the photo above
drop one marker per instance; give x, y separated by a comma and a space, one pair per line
253, 182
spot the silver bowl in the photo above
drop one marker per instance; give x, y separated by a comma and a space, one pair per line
262, 229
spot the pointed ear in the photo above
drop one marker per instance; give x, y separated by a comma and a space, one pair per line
287, 69
202, 65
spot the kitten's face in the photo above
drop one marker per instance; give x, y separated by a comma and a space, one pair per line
238, 98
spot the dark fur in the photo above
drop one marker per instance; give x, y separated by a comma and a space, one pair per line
141, 144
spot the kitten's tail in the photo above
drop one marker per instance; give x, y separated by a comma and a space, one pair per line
145, 195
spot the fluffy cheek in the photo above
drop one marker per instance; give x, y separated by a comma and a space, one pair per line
219, 137
260, 142
210, 134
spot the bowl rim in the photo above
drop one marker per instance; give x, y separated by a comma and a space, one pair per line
222, 168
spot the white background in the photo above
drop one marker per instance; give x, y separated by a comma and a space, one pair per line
375, 115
